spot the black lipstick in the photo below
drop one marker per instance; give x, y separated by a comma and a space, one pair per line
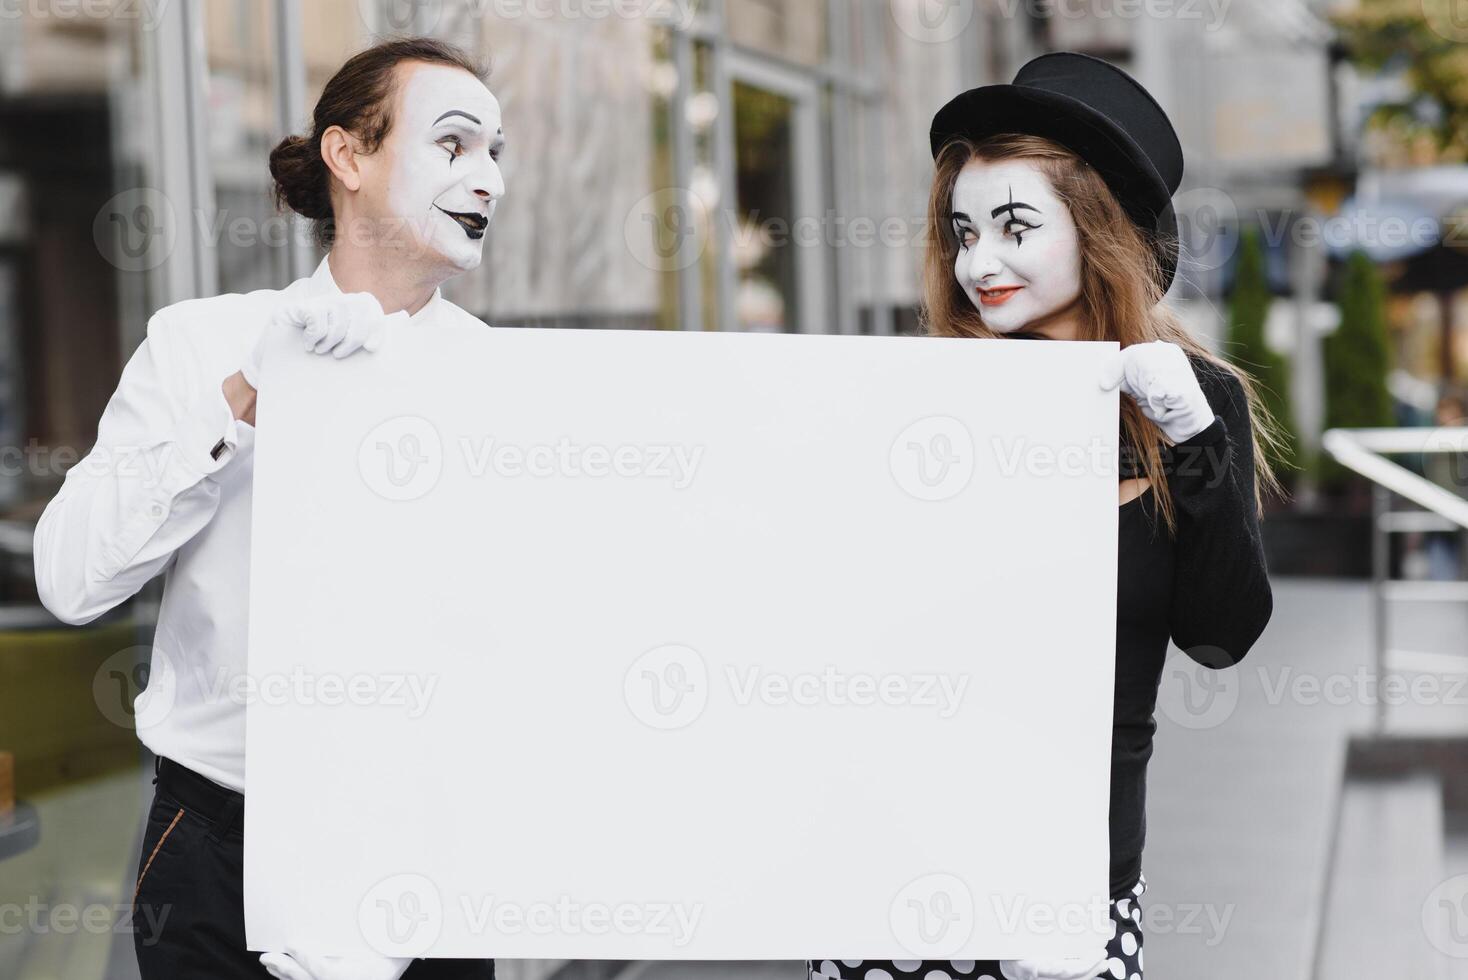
472, 223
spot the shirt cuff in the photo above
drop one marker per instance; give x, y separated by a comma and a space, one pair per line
207, 436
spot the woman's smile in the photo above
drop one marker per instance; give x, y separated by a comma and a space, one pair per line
996, 295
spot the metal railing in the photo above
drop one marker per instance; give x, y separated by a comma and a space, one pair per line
1365, 451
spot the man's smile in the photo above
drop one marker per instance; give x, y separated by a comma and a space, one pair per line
472, 222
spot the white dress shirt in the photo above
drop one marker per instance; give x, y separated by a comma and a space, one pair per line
167, 488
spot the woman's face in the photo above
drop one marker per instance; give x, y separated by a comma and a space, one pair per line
1019, 257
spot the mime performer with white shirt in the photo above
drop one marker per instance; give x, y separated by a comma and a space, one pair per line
400, 173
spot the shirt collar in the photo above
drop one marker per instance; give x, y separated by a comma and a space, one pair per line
322, 283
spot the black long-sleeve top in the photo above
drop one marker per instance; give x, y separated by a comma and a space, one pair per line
1205, 588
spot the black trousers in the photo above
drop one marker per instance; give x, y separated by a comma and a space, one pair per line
188, 906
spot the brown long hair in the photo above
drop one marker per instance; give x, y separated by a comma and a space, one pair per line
1121, 294
358, 98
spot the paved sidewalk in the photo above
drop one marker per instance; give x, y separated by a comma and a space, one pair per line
1241, 802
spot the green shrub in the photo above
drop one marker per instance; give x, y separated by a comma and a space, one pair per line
1357, 357
1248, 308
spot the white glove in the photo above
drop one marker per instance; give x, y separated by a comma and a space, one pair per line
302, 966
1069, 968
340, 323
1158, 376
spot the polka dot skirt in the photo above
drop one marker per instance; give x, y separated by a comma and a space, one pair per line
1124, 952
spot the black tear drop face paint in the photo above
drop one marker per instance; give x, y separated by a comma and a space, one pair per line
1014, 273
1014, 224
457, 144
963, 225
445, 179
454, 143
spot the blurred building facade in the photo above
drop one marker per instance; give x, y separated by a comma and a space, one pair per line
690, 164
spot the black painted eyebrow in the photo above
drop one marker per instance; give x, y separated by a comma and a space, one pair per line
960, 216
458, 112
1011, 206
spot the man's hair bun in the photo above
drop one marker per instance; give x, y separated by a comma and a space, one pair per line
302, 182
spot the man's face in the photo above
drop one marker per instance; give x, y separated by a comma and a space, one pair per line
1019, 259
436, 177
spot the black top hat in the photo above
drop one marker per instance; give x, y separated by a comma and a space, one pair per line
1101, 114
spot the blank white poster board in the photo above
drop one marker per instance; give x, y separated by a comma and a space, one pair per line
649, 645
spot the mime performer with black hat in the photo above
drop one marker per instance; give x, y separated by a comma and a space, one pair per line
1051, 218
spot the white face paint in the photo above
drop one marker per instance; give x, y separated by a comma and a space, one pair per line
1019, 257
441, 158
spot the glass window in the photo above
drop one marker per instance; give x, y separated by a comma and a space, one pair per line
246, 233
709, 215
82, 227
652, 230
84, 231
766, 299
